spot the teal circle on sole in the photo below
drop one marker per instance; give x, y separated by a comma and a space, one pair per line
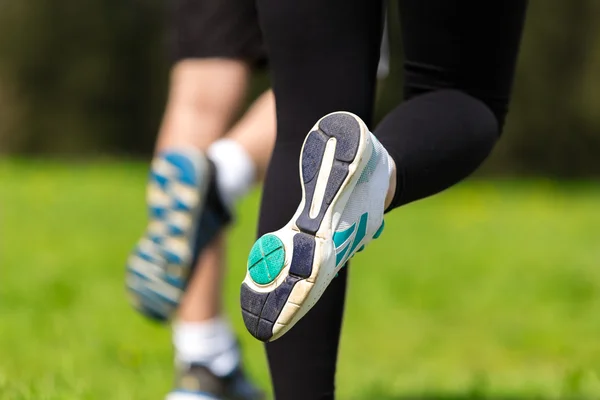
266, 260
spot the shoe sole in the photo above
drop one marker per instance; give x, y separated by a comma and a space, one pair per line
158, 269
288, 270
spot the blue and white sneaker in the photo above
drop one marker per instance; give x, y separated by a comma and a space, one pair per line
344, 172
196, 382
185, 214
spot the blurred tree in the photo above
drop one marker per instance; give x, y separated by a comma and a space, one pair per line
88, 75
554, 123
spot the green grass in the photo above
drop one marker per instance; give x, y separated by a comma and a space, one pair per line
490, 290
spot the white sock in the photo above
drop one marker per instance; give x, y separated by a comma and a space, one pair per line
211, 343
235, 169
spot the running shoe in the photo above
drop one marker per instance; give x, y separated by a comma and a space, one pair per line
344, 172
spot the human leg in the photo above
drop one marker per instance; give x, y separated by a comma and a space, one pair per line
335, 68
460, 125
459, 66
201, 334
189, 199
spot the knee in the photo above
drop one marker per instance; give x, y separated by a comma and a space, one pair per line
208, 86
497, 106
477, 117
477, 102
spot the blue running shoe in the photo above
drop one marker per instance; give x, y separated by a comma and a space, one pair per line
185, 214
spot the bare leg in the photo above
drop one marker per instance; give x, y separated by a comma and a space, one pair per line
201, 334
255, 132
204, 96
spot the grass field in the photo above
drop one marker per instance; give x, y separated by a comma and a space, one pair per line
490, 290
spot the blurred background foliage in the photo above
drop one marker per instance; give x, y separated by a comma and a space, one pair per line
88, 77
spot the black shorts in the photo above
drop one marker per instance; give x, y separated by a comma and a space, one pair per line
215, 29
227, 29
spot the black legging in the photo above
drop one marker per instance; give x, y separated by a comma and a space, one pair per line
460, 58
